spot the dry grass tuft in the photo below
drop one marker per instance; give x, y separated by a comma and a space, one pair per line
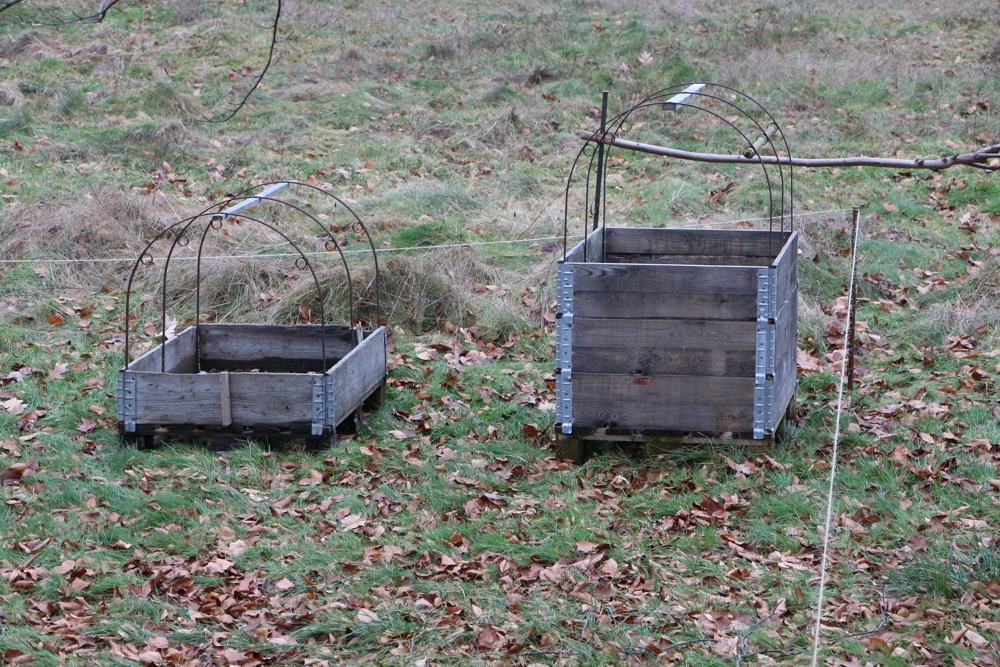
30, 45
109, 225
973, 309
10, 94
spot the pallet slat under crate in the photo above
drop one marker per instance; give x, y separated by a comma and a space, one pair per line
261, 381
676, 331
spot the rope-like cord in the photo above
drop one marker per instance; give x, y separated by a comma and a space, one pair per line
383, 250
833, 456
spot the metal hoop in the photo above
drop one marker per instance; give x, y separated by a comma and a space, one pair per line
596, 210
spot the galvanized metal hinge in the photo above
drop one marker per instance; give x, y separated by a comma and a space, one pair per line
322, 404
126, 400
766, 333
564, 350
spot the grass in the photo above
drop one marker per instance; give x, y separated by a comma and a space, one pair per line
444, 532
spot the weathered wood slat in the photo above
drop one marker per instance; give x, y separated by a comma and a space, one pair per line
710, 404
720, 335
171, 398
666, 280
227, 408
595, 246
178, 352
357, 374
265, 346
787, 264
673, 241
701, 260
576, 253
638, 305
278, 399
664, 361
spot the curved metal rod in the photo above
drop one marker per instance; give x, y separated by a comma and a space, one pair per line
163, 302
760, 160
672, 89
343, 257
205, 213
619, 121
308, 265
621, 118
135, 266
357, 219
788, 151
569, 183
646, 103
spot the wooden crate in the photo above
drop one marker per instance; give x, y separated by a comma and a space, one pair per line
252, 381
675, 332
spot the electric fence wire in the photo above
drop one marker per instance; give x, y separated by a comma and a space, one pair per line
425, 248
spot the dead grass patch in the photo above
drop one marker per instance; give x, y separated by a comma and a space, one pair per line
31, 45
110, 224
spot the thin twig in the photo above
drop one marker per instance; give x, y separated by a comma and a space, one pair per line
979, 159
885, 617
742, 644
256, 82
38, 552
96, 17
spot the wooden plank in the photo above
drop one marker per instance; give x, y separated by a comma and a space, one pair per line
703, 260
682, 403
665, 280
636, 305
178, 353
276, 399
227, 411
576, 254
682, 334
358, 374
236, 347
674, 241
787, 266
167, 398
664, 361
785, 364
595, 245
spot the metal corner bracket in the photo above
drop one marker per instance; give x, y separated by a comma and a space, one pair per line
763, 390
564, 349
323, 408
126, 400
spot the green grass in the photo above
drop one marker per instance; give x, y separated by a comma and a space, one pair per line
453, 123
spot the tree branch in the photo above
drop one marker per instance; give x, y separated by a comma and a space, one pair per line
980, 159
256, 83
96, 17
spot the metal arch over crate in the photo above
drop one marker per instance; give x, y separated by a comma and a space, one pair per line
308, 380
677, 334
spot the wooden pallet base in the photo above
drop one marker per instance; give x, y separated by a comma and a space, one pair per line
650, 443
223, 438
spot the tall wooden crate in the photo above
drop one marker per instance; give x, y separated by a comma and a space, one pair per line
676, 331
678, 334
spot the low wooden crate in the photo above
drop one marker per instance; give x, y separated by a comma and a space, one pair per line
252, 381
680, 333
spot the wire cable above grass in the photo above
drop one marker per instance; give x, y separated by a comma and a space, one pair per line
97, 260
